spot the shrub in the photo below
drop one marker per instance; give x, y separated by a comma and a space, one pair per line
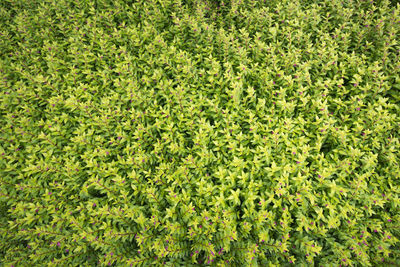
187, 133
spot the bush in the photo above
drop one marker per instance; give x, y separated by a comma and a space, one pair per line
187, 133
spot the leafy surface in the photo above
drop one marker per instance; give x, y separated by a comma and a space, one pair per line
187, 133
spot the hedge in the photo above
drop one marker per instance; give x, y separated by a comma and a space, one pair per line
199, 133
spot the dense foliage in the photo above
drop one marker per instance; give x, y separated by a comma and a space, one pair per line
187, 133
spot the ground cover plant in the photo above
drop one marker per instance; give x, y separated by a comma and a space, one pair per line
190, 133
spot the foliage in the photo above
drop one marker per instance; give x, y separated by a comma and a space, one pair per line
224, 133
